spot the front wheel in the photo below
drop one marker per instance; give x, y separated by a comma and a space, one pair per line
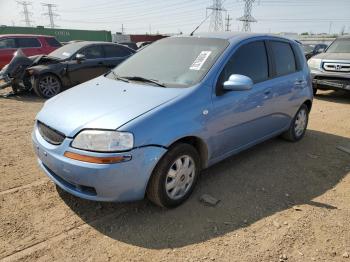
298, 126
314, 90
174, 177
47, 86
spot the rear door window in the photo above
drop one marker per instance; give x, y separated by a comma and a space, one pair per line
116, 51
28, 42
93, 52
283, 57
249, 60
7, 43
53, 42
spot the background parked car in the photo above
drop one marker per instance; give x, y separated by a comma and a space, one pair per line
311, 50
331, 70
143, 44
70, 65
30, 45
131, 45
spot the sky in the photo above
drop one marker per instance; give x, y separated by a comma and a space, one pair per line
174, 16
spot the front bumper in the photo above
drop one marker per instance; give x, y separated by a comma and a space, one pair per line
330, 80
120, 182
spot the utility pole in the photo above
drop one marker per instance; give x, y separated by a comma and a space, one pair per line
228, 23
123, 28
26, 12
247, 18
330, 27
50, 13
216, 9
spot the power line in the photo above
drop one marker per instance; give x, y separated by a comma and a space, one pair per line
247, 18
26, 12
51, 14
216, 23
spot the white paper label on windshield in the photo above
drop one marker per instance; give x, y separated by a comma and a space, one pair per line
200, 60
66, 54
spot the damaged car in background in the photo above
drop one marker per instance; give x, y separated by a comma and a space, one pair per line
63, 68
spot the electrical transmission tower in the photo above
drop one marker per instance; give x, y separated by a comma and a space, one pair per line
247, 18
50, 13
216, 9
228, 23
26, 12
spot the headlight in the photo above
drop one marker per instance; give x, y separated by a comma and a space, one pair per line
103, 141
314, 63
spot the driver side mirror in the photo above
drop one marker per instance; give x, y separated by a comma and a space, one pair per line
319, 51
238, 83
80, 57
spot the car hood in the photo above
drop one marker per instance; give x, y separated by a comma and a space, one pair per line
102, 103
333, 56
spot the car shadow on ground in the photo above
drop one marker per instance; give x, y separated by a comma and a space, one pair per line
23, 97
271, 177
340, 97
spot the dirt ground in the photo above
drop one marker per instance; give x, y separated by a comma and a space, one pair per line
279, 201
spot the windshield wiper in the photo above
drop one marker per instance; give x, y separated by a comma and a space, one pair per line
143, 79
120, 78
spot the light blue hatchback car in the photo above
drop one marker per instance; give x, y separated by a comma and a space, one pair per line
178, 106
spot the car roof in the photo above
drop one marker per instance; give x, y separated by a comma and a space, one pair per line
24, 35
81, 44
236, 36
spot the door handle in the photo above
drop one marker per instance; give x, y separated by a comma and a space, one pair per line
300, 83
267, 93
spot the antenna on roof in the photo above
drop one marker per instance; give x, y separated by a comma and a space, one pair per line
205, 19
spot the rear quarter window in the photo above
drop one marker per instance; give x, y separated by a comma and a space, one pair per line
283, 57
28, 42
51, 41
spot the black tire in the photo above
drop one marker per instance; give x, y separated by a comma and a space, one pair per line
156, 189
314, 90
292, 134
47, 85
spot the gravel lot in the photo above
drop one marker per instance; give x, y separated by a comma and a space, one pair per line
279, 201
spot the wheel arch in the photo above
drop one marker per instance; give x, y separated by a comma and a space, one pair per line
308, 103
198, 144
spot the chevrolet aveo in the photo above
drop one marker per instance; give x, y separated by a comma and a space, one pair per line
182, 104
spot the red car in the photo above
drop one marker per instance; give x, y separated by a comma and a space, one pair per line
30, 45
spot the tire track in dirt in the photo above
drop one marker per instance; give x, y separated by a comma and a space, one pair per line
38, 213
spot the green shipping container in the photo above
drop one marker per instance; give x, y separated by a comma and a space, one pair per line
62, 35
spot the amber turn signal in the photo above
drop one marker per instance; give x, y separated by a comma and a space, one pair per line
96, 160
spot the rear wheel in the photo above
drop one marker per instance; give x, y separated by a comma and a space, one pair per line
175, 176
47, 85
298, 126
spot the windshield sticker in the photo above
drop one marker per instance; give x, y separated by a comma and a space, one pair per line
65, 54
200, 60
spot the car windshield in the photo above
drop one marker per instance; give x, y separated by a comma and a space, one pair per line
174, 62
308, 48
339, 46
65, 51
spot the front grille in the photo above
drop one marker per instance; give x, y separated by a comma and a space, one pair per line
50, 135
337, 67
